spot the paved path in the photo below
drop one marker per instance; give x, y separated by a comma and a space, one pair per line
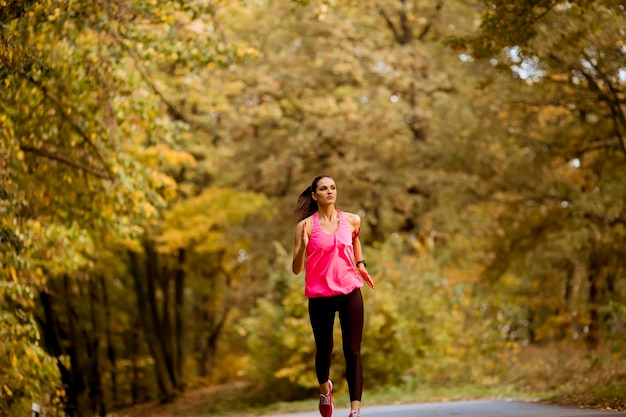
482, 408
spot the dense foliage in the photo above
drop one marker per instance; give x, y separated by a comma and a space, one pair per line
151, 153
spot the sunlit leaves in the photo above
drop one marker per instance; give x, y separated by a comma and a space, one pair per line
203, 223
108, 82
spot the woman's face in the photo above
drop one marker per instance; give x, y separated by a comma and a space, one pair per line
326, 191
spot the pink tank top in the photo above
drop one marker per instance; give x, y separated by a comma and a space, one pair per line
330, 268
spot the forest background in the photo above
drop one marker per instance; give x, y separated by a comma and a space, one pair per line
152, 152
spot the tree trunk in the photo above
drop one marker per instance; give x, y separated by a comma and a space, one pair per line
178, 317
111, 354
52, 337
209, 352
162, 320
92, 340
133, 353
593, 278
77, 404
570, 272
147, 313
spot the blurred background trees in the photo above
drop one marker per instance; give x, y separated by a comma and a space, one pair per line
152, 152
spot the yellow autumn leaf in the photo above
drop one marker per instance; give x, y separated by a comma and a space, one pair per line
8, 391
33, 355
13, 274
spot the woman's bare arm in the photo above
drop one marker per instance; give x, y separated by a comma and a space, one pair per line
301, 240
355, 222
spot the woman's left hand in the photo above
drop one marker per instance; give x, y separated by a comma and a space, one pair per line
366, 276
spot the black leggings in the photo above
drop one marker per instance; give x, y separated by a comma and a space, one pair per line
322, 314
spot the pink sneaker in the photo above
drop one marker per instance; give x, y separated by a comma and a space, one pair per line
355, 413
326, 402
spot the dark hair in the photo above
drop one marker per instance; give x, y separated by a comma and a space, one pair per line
306, 205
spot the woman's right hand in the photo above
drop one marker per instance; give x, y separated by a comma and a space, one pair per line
366, 276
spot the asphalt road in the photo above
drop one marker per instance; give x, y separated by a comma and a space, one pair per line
482, 408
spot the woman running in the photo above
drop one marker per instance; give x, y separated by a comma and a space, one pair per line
328, 248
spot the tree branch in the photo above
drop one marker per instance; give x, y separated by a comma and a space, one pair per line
77, 128
67, 161
390, 24
429, 25
615, 109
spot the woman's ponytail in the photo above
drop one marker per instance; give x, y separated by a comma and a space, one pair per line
306, 205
